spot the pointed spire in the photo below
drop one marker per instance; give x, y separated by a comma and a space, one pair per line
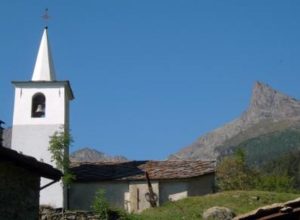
44, 68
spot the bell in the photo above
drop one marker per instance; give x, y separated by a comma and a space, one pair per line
40, 109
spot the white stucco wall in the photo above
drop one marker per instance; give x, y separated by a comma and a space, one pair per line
34, 140
131, 195
172, 190
201, 185
81, 195
31, 135
56, 112
119, 194
52, 195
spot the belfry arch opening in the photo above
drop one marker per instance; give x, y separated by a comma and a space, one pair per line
38, 108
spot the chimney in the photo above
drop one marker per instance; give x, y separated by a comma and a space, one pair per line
1, 133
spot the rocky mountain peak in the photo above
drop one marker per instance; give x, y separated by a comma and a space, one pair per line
263, 92
268, 103
91, 155
269, 111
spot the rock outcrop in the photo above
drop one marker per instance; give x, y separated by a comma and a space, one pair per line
218, 213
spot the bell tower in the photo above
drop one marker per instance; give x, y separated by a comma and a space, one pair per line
41, 107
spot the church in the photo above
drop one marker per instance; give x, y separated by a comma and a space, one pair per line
41, 108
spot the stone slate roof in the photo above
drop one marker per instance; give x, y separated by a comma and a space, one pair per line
29, 163
287, 210
135, 170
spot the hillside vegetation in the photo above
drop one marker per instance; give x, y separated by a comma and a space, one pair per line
238, 201
265, 148
263, 164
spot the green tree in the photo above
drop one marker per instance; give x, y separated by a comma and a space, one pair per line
59, 147
234, 174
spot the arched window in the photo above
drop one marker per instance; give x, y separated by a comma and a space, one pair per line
38, 107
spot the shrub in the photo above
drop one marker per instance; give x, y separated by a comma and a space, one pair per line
59, 148
100, 204
277, 183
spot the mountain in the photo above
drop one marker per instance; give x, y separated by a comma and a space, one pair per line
270, 114
92, 155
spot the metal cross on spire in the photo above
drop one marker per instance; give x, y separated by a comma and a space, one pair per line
46, 16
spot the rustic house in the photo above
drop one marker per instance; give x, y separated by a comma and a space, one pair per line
126, 185
20, 184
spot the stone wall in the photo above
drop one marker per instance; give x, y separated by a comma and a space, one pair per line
47, 213
19, 192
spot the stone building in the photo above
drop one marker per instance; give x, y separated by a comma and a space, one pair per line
126, 186
20, 184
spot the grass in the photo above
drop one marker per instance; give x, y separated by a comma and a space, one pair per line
192, 208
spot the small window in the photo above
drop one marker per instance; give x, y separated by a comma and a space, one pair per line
38, 107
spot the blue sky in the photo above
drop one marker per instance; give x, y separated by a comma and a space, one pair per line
150, 77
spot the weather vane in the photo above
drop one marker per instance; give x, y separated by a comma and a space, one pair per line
46, 16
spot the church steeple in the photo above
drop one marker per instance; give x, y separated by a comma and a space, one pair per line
44, 68
41, 108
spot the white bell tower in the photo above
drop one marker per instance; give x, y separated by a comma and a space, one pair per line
41, 107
